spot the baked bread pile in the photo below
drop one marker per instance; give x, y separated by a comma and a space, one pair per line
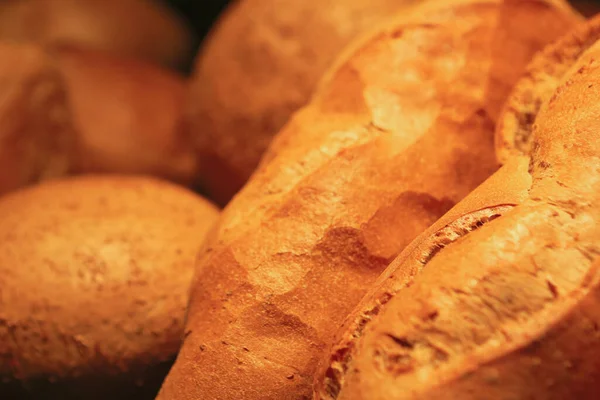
499, 298
97, 249
422, 226
399, 131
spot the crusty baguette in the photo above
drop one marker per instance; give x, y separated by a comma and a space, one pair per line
36, 134
143, 29
505, 307
127, 115
94, 274
542, 75
399, 131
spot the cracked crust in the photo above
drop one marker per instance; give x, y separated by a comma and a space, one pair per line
514, 302
393, 138
497, 195
102, 319
37, 139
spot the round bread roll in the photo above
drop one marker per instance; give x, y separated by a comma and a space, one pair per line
94, 276
128, 116
260, 64
36, 135
144, 29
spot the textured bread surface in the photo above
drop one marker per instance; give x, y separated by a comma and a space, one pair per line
260, 64
510, 309
94, 277
36, 134
143, 29
400, 130
128, 116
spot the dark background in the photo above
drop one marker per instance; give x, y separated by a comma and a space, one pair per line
201, 14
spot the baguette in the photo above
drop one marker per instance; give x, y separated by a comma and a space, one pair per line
37, 139
94, 273
127, 115
498, 300
399, 131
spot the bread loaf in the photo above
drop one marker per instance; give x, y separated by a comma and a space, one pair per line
501, 298
260, 63
36, 134
94, 275
128, 116
399, 131
143, 29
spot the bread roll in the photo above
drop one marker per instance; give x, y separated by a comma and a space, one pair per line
36, 134
399, 131
502, 302
128, 116
94, 276
260, 63
145, 29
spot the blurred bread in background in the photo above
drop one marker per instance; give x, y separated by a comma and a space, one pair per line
128, 116
36, 134
145, 29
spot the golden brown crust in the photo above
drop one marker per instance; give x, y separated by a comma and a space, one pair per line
498, 194
37, 139
94, 274
259, 65
138, 28
513, 302
392, 140
128, 116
